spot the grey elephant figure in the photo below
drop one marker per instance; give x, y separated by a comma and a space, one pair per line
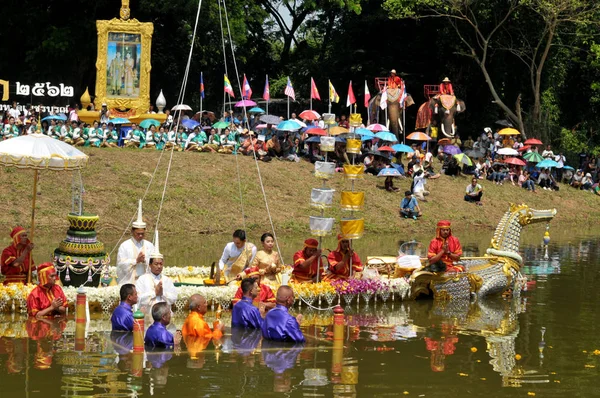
443, 110
394, 110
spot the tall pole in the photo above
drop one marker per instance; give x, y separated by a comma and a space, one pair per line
288, 107
329, 92
404, 122
269, 94
201, 94
32, 232
311, 93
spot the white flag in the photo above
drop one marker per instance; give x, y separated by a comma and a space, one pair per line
383, 101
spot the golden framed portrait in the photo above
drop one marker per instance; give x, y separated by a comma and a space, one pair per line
123, 64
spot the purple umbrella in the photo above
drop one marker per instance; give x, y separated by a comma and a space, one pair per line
451, 150
245, 102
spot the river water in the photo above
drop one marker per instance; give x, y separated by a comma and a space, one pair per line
545, 343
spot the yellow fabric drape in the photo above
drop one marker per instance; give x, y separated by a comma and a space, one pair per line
352, 228
352, 200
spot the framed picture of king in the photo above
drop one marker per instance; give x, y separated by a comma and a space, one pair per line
123, 65
123, 56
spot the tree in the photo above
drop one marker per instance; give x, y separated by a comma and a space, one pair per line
527, 29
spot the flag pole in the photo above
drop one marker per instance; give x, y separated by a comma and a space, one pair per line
288, 107
201, 88
329, 90
311, 93
269, 95
404, 122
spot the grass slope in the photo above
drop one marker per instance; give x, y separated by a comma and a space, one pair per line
202, 196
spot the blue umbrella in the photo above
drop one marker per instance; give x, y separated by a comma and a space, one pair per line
402, 148
146, 123
546, 163
256, 109
568, 168
120, 120
288, 125
452, 150
364, 132
366, 138
389, 172
190, 124
386, 136
53, 117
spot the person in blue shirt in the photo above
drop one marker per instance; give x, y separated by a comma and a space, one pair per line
244, 313
122, 317
409, 207
279, 325
157, 335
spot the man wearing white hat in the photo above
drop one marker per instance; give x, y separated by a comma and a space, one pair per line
154, 287
134, 254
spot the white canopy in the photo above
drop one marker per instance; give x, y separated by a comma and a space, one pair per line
40, 152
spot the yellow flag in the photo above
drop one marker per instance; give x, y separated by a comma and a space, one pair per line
333, 95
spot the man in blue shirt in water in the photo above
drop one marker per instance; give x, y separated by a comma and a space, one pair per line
279, 325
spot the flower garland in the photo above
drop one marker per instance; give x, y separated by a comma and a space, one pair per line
174, 272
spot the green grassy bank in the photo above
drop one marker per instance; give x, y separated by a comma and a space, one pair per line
202, 197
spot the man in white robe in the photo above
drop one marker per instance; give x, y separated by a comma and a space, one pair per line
237, 255
154, 287
133, 257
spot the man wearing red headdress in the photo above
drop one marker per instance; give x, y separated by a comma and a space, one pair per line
47, 299
445, 247
307, 262
16, 257
265, 297
446, 87
340, 260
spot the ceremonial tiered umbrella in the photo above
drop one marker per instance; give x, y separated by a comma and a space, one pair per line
402, 148
464, 159
190, 124
533, 157
244, 103
509, 131
270, 119
507, 151
40, 152
146, 123
515, 161
533, 141
309, 115
386, 136
377, 127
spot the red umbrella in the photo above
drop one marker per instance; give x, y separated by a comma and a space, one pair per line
524, 148
385, 148
316, 131
515, 161
533, 141
309, 115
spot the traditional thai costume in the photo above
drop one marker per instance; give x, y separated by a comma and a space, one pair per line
150, 139
271, 264
158, 140
246, 315
41, 296
157, 336
122, 317
279, 325
128, 270
308, 275
234, 260
336, 257
436, 245
96, 137
12, 273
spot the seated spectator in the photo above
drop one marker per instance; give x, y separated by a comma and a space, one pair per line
274, 147
409, 207
418, 186
498, 173
451, 167
526, 182
474, 192
546, 180
389, 184
587, 182
577, 178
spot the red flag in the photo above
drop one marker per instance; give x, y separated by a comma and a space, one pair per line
247, 91
367, 95
314, 93
351, 98
266, 92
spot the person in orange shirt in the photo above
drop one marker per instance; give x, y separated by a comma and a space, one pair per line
340, 260
394, 81
16, 258
195, 325
307, 262
47, 299
446, 248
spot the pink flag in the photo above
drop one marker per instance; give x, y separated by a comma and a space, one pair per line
367, 95
266, 93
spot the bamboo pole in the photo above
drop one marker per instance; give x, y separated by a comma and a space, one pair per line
31, 233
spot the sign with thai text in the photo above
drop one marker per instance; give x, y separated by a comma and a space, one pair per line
45, 89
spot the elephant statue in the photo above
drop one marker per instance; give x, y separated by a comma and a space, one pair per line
442, 109
394, 110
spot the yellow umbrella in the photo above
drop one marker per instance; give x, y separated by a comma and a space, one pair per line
40, 152
337, 130
509, 131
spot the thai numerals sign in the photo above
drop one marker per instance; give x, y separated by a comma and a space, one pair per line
45, 89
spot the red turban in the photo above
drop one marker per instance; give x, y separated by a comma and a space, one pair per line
311, 243
44, 270
15, 233
252, 272
440, 225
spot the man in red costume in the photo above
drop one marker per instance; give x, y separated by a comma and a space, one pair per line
47, 299
307, 262
265, 297
445, 247
339, 261
16, 257
394, 81
446, 87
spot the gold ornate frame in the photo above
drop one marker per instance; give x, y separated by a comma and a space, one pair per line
133, 26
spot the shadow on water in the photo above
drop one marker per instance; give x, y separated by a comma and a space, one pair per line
541, 343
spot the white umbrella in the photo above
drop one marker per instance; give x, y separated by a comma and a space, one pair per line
181, 107
40, 152
507, 151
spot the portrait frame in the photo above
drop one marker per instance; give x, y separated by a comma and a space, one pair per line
128, 28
